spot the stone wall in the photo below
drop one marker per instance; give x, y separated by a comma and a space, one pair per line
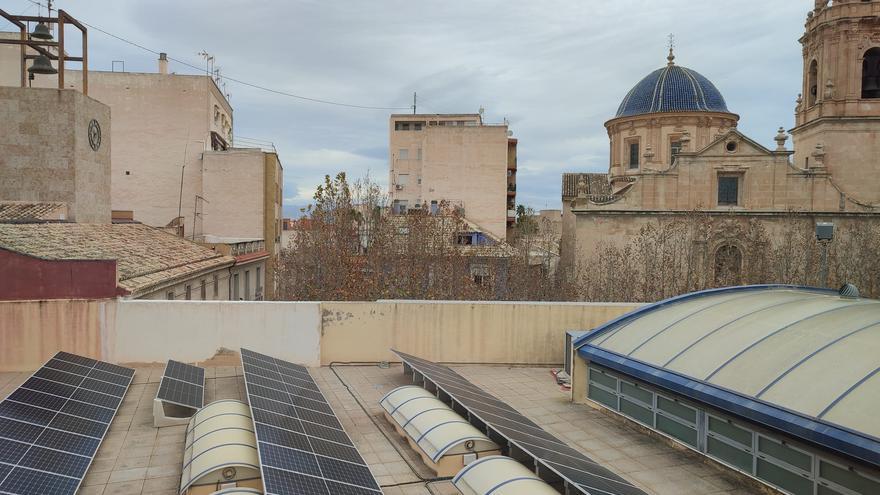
45, 151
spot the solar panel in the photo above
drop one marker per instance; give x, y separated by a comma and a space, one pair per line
578, 472
301, 444
182, 384
52, 425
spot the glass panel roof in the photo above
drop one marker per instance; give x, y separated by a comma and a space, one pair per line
808, 351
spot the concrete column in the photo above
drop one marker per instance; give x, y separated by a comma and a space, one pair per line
579, 378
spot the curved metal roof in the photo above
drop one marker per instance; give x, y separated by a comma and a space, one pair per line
672, 89
499, 475
432, 425
805, 351
220, 446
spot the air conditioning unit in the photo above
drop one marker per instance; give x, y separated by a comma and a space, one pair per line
570, 337
399, 187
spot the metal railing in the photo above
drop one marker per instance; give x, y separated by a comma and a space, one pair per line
245, 142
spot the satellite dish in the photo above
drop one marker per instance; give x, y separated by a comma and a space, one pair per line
482, 110
509, 133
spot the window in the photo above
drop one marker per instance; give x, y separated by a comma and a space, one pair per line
170, 295
408, 126
402, 179
731, 146
403, 154
480, 274
216, 286
188, 292
634, 155
418, 153
728, 191
435, 207
871, 74
812, 83
674, 150
247, 285
259, 282
204, 290
235, 294
464, 239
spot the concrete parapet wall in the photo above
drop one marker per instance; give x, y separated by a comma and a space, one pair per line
189, 331
309, 333
32, 331
453, 331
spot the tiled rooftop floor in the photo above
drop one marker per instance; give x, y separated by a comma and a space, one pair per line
136, 458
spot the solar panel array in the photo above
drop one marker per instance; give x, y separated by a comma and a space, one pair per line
578, 471
301, 444
51, 425
182, 384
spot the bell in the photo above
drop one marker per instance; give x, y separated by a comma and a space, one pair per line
42, 65
41, 32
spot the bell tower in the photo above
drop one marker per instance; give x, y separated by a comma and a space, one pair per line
837, 119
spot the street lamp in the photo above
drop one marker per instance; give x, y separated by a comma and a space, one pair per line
824, 235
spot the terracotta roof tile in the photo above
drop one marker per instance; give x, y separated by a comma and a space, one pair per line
145, 256
24, 210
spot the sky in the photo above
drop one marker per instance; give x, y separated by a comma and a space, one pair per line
556, 70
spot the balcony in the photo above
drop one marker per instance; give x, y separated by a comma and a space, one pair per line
511, 189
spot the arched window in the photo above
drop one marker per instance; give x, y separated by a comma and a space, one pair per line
813, 86
728, 266
871, 74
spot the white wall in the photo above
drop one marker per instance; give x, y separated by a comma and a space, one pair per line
189, 331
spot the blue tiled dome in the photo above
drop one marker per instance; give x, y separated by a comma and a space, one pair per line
672, 89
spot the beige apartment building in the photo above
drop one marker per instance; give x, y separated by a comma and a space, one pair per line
173, 160
456, 158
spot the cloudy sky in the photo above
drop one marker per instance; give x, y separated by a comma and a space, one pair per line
556, 70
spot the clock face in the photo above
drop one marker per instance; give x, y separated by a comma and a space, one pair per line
94, 134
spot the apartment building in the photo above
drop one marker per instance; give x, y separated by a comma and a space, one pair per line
456, 158
173, 160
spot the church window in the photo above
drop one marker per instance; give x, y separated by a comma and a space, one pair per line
728, 191
731, 146
674, 150
728, 266
634, 155
871, 74
813, 82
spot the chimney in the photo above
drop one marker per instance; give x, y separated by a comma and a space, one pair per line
163, 63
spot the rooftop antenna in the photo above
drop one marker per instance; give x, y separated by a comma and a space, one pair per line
414, 103
209, 62
671, 57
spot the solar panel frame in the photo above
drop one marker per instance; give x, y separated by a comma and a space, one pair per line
547, 450
56, 458
288, 430
182, 381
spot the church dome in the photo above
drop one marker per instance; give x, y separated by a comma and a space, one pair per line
672, 89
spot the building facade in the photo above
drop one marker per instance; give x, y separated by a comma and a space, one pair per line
457, 159
173, 162
675, 148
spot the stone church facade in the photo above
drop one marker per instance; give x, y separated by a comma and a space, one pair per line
675, 148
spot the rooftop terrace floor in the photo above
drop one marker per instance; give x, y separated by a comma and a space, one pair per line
136, 458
